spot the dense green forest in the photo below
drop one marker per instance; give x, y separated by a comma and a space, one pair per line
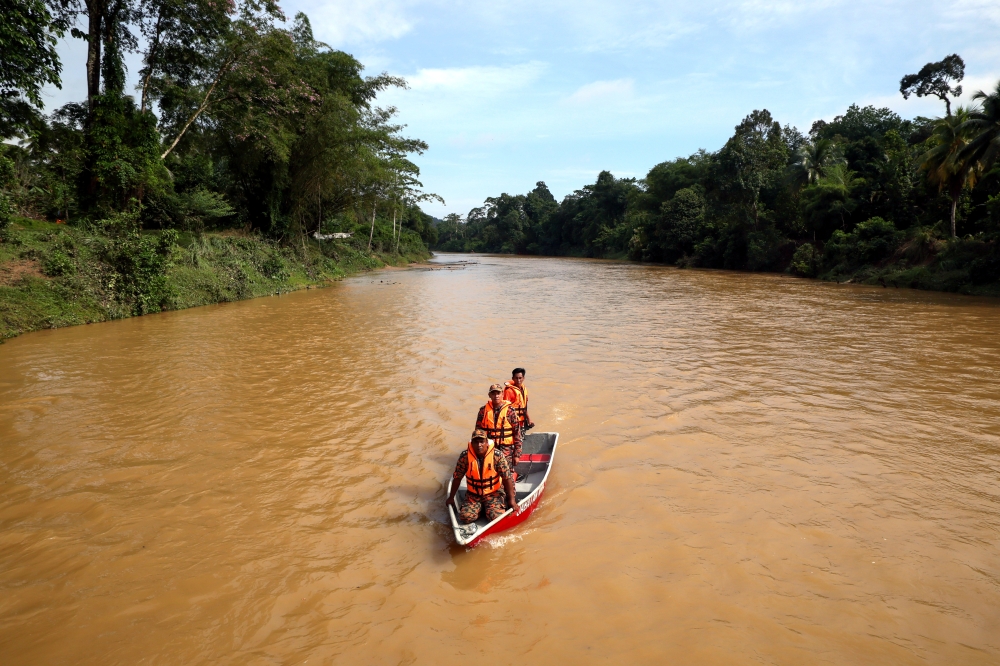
241, 123
868, 196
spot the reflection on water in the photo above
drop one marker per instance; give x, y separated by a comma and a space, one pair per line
751, 468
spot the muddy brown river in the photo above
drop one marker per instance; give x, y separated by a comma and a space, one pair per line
751, 469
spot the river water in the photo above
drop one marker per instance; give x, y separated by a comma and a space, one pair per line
751, 469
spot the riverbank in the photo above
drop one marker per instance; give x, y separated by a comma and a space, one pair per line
57, 275
915, 259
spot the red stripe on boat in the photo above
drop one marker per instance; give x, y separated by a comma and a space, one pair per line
535, 457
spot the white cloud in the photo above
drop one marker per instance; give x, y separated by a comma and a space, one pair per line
763, 11
468, 107
978, 10
346, 22
602, 91
482, 80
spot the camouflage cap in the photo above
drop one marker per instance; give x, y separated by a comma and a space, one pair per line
496, 388
478, 433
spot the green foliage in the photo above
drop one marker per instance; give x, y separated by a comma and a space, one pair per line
765, 250
58, 263
805, 261
121, 155
935, 78
876, 239
680, 225
986, 269
451, 234
848, 202
947, 162
6, 179
28, 61
813, 160
109, 269
983, 130
666, 178
859, 125
829, 203
871, 241
751, 163
261, 131
137, 262
259, 127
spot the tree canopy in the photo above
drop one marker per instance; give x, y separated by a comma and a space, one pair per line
257, 124
935, 78
853, 190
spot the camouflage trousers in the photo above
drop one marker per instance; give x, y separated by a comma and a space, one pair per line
493, 505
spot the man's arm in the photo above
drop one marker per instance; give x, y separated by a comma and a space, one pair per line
456, 479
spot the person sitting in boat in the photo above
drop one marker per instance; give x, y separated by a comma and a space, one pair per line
498, 418
489, 488
516, 393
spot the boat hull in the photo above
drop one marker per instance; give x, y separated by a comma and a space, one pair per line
533, 471
511, 519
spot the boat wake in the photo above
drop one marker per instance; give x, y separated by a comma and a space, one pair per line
498, 541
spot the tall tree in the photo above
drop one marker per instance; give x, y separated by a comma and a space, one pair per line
752, 160
109, 37
246, 74
947, 162
180, 38
983, 127
935, 79
28, 61
813, 159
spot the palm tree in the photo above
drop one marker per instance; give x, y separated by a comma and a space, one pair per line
983, 125
814, 159
948, 163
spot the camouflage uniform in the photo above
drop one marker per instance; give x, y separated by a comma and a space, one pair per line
493, 504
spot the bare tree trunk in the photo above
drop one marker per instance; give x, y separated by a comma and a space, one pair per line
372, 234
150, 59
204, 105
400, 234
954, 205
394, 227
95, 12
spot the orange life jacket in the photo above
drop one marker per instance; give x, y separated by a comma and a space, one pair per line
518, 399
499, 431
485, 481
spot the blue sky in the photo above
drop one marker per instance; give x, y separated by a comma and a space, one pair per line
511, 92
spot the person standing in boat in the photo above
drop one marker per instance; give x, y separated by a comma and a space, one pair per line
516, 393
498, 418
489, 487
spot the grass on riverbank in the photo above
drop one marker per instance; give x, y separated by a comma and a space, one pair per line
57, 275
914, 259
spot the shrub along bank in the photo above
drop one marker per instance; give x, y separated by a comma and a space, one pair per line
876, 253
54, 275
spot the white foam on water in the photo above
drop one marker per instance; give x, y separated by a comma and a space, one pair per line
501, 540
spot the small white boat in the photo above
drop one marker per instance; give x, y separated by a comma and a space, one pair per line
537, 454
